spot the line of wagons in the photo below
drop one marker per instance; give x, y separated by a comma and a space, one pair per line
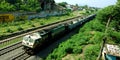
33, 42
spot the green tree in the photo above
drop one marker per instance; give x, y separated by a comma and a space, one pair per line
112, 12
4, 6
63, 4
29, 5
11, 1
24, 5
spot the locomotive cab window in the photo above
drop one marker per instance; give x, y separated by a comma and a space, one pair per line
31, 40
25, 38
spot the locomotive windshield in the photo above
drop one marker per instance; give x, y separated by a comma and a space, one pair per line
25, 38
31, 40
28, 39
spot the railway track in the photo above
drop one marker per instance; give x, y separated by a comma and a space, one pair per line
10, 48
20, 56
36, 29
23, 55
18, 44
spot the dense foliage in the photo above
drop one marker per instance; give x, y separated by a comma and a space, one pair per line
5, 6
19, 5
113, 13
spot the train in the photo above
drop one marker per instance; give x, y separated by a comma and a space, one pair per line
32, 42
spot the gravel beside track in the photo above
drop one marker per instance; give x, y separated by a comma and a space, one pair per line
20, 56
32, 30
10, 48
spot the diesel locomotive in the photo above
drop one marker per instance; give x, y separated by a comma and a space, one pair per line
31, 43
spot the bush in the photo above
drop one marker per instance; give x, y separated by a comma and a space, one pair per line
58, 18
97, 38
77, 50
41, 23
29, 23
33, 25
115, 36
14, 23
69, 50
19, 28
97, 26
104, 14
91, 52
57, 54
9, 30
4, 24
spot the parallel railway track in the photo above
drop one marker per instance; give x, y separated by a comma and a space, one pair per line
23, 55
29, 31
20, 56
10, 48
18, 44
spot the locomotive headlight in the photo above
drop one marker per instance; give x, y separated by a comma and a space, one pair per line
23, 43
31, 45
27, 43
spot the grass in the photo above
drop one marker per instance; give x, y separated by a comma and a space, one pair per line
8, 28
10, 42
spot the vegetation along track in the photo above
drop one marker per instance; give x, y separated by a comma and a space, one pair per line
22, 55
10, 48
32, 30
17, 45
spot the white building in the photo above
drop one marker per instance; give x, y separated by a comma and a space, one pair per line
111, 52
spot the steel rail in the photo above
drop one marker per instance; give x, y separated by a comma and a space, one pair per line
35, 30
10, 48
